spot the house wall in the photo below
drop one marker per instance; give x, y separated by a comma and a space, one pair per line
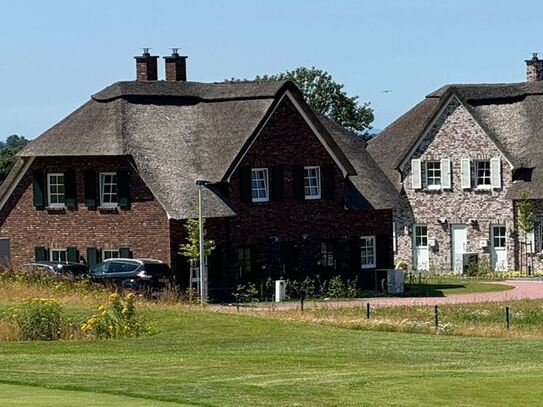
144, 227
287, 140
454, 135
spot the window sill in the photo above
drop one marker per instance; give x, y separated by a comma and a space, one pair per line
55, 209
484, 188
368, 266
312, 198
108, 209
260, 200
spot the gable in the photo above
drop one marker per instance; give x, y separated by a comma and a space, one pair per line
456, 131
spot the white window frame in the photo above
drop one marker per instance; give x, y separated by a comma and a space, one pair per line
416, 235
434, 177
60, 253
479, 185
50, 194
363, 245
266, 198
110, 254
108, 204
318, 186
499, 236
328, 254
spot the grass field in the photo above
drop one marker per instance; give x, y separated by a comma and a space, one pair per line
446, 287
211, 359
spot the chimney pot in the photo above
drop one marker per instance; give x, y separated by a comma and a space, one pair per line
176, 66
146, 66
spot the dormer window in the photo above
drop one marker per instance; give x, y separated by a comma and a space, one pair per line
55, 190
108, 189
312, 182
260, 185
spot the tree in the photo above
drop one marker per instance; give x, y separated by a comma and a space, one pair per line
326, 96
526, 219
8, 154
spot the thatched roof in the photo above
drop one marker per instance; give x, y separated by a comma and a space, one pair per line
178, 132
510, 114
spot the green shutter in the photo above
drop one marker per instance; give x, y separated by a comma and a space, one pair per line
90, 188
125, 253
328, 182
277, 182
123, 189
40, 253
298, 174
71, 254
93, 257
245, 193
38, 188
70, 189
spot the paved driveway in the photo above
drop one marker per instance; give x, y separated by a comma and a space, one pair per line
522, 290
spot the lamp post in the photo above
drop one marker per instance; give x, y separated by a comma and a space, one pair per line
203, 281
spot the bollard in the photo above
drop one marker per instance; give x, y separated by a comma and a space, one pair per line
436, 316
507, 317
368, 310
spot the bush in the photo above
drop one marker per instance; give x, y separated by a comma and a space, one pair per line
246, 293
116, 319
38, 319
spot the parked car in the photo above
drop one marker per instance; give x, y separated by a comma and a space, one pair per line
67, 270
133, 273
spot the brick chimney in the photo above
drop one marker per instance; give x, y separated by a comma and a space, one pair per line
534, 69
176, 67
146, 66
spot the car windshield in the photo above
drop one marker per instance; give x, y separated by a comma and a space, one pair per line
157, 269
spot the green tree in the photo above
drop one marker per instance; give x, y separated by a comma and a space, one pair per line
8, 154
326, 96
526, 218
191, 249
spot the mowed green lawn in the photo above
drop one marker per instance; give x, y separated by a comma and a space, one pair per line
212, 359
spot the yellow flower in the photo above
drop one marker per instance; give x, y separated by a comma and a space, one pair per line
101, 308
130, 296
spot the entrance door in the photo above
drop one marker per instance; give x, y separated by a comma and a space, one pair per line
459, 239
498, 248
420, 252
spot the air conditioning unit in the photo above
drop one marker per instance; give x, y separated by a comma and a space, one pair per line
469, 260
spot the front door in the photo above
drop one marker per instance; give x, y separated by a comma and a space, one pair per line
498, 247
420, 253
459, 239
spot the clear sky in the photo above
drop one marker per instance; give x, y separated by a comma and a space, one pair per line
55, 54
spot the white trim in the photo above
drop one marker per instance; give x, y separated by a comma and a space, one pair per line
101, 186
373, 246
433, 187
266, 185
433, 122
110, 251
58, 204
60, 250
318, 168
15, 182
313, 128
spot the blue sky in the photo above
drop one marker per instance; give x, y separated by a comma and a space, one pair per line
55, 54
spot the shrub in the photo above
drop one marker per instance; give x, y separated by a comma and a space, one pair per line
116, 319
38, 319
246, 293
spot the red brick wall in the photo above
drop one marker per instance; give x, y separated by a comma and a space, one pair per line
144, 228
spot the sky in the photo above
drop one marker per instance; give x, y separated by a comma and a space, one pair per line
55, 54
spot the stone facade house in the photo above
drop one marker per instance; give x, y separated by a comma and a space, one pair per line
289, 193
461, 160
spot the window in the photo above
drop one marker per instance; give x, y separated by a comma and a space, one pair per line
328, 255
58, 255
110, 254
312, 182
367, 251
259, 185
498, 237
421, 235
482, 169
433, 174
245, 261
55, 189
108, 189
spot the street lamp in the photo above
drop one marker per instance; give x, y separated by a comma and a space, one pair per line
203, 290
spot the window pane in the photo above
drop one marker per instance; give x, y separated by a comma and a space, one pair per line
259, 184
433, 173
312, 182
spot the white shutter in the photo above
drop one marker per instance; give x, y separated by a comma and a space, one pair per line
466, 173
530, 242
496, 173
446, 173
416, 168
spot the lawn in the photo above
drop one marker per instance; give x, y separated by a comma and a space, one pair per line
205, 358
446, 287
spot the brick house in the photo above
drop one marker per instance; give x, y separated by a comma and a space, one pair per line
290, 193
461, 160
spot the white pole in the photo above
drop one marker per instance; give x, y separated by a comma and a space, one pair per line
201, 235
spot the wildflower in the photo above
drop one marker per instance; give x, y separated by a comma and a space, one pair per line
113, 298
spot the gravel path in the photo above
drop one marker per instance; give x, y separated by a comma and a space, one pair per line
522, 290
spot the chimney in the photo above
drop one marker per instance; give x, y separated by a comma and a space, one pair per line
534, 69
146, 66
176, 67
